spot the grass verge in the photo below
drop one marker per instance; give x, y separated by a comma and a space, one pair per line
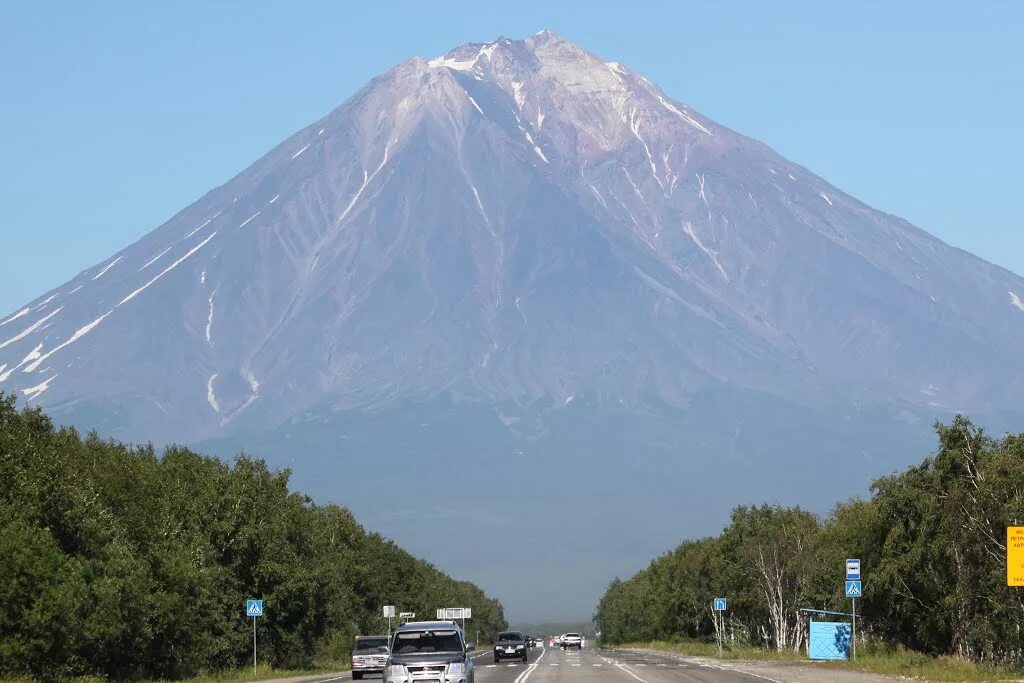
876, 660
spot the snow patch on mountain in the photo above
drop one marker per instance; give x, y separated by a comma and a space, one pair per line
710, 253
249, 219
685, 117
208, 221
211, 396
151, 261
17, 315
106, 268
30, 329
367, 179
1015, 301
86, 329
33, 392
209, 318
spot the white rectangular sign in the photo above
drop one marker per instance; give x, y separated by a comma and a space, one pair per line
853, 570
448, 613
389, 611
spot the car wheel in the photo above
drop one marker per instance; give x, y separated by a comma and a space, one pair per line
357, 675
497, 660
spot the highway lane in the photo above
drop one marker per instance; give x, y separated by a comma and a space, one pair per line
552, 665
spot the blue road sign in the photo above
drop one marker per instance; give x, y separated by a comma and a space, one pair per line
853, 589
720, 604
254, 608
853, 570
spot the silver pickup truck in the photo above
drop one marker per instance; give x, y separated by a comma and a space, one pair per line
369, 655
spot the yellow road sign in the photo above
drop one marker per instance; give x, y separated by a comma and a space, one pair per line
1015, 556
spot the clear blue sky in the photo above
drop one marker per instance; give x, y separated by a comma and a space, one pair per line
116, 115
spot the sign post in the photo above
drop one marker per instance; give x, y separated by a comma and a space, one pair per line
718, 606
254, 609
454, 614
389, 612
1015, 556
854, 590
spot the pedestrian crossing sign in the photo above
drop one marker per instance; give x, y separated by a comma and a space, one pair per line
254, 608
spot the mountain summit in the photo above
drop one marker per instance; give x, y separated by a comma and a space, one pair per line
518, 257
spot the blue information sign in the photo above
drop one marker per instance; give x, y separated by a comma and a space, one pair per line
720, 604
254, 608
853, 589
853, 570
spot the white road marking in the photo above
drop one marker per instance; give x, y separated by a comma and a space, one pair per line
625, 667
521, 678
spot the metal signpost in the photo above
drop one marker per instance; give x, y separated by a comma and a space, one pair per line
1015, 556
389, 612
254, 608
718, 606
854, 590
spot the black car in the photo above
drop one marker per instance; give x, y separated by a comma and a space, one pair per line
511, 645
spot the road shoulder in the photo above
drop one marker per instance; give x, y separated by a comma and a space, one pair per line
777, 671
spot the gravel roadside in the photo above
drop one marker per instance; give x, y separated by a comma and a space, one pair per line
782, 671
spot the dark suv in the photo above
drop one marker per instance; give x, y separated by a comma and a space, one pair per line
369, 655
511, 645
434, 651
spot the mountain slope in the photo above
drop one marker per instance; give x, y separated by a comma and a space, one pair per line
525, 242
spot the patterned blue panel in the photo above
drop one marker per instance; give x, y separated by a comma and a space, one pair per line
830, 640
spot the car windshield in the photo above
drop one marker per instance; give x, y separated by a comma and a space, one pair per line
370, 644
510, 637
411, 642
572, 635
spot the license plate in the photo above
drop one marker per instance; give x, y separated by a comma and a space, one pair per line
510, 649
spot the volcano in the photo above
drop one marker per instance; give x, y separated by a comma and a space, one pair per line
521, 291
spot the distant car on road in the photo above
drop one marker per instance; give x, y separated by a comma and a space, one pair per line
572, 640
429, 650
369, 655
510, 645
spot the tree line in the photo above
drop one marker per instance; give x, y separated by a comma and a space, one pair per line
121, 562
932, 541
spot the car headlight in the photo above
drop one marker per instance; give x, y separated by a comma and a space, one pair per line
520, 647
457, 668
395, 671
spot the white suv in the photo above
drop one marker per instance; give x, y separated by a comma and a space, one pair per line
572, 640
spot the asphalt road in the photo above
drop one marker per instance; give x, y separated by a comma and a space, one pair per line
552, 665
